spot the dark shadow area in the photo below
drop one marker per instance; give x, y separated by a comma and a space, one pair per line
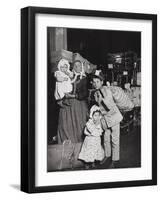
94, 45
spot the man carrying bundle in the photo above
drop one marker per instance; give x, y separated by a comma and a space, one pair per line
111, 118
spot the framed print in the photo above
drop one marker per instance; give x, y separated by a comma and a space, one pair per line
88, 99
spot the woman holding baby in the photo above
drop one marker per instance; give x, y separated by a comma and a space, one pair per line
72, 94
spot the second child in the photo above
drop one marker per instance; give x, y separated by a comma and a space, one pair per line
92, 150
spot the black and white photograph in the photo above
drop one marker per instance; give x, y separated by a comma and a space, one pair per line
89, 91
93, 99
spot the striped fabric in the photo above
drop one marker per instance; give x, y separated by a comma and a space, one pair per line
121, 99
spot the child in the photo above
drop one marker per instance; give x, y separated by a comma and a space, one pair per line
92, 150
63, 80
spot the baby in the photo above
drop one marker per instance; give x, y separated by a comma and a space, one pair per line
92, 150
63, 79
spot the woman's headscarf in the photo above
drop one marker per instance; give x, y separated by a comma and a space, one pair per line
82, 73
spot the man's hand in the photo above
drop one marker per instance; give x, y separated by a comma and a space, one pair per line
98, 97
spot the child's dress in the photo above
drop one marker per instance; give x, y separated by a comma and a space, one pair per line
91, 149
63, 85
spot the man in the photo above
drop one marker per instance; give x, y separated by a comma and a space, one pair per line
111, 119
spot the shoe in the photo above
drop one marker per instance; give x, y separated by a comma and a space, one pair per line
105, 159
93, 165
86, 166
115, 164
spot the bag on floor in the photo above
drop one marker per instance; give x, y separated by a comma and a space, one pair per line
63, 156
76, 163
59, 156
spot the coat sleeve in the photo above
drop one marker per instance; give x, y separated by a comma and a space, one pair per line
109, 109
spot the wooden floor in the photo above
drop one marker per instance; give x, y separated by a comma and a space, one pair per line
130, 151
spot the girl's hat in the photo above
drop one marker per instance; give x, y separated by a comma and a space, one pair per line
93, 109
63, 62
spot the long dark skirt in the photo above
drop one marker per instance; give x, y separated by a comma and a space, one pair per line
72, 121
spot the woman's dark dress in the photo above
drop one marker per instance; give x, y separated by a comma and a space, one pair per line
73, 117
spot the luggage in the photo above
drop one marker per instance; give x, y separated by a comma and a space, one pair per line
63, 156
75, 162
58, 55
77, 56
87, 66
121, 99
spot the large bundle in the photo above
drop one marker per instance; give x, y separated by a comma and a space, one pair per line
77, 56
58, 55
121, 99
88, 67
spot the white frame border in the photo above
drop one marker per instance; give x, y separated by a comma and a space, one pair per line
42, 178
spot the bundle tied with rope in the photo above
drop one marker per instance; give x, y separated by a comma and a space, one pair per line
88, 67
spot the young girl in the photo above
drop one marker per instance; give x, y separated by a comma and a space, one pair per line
63, 79
92, 150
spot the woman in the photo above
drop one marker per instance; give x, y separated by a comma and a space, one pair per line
74, 110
